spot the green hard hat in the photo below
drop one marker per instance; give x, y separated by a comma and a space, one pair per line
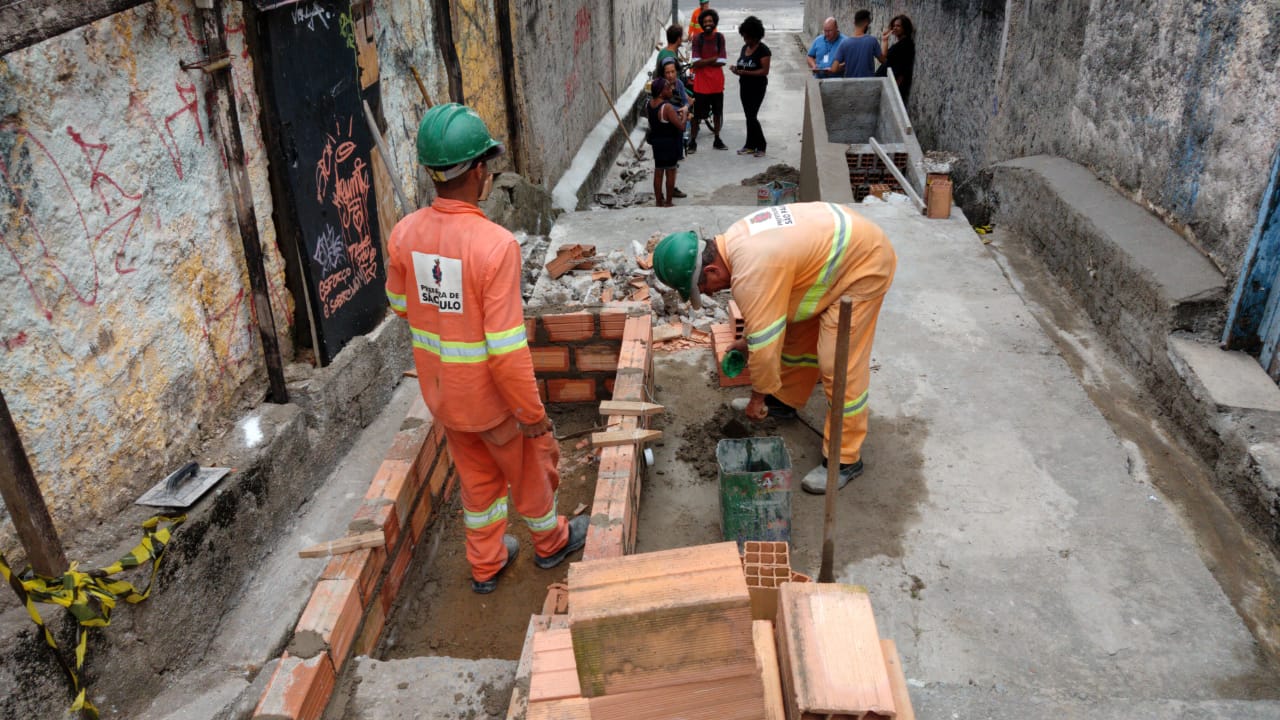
678, 261
452, 134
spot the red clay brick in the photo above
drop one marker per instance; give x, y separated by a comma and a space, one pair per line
362, 566
531, 329
550, 358
570, 326
596, 358
371, 631
436, 483
299, 689
612, 323
571, 390
421, 517
542, 390
377, 514
329, 622
553, 674
394, 482
395, 577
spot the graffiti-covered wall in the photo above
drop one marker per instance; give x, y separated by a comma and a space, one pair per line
126, 323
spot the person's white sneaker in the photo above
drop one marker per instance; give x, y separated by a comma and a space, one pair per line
740, 404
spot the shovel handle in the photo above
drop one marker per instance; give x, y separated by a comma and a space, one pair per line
835, 431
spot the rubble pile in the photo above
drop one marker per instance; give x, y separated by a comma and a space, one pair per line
623, 193
577, 276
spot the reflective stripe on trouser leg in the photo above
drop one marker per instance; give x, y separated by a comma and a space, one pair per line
799, 361
862, 330
529, 466
484, 491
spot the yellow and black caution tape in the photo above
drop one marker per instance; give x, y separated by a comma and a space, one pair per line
91, 596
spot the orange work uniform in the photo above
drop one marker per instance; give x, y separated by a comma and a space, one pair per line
456, 277
789, 265
695, 27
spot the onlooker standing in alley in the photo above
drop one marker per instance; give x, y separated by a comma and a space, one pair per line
675, 36
752, 70
695, 24
681, 101
666, 135
456, 277
709, 59
856, 56
901, 56
823, 49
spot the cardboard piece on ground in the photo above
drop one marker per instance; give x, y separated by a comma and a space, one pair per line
829, 651
351, 543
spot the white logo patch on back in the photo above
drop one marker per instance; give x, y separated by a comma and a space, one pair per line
439, 281
769, 219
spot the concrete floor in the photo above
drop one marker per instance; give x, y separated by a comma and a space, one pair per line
1015, 547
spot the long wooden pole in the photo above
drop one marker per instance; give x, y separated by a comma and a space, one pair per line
422, 88
226, 124
25, 503
621, 125
835, 432
405, 207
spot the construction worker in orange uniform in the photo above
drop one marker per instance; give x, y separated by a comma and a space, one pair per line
788, 266
456, 277
695, 28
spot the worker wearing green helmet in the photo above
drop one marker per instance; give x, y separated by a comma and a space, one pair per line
456, 277
788, 266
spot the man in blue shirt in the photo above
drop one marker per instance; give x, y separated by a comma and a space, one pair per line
856, 55
823, 49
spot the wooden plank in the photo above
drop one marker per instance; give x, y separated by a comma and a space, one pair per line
830, 652
28, 22
351, 543
25, 503
897, 680
767, 654
624, 437
897, 174
629, 407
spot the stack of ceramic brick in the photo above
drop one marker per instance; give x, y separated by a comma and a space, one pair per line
350, 602
737, 320
658, 635
767, 565
834, 664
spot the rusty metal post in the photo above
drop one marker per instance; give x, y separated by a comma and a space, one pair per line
226, 122
25, 503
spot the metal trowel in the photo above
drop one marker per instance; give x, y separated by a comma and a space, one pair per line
183, 487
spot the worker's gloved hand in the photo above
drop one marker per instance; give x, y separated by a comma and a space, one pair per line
538, 429
740, 345
756, 409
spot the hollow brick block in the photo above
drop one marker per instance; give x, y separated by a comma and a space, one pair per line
570, 327
362, 566
371, 630
298, 690
550, 358
567, 390
377, 514
554, 675
596, 358
395, 576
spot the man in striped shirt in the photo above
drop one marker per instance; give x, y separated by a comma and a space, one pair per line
788, 267
456, 277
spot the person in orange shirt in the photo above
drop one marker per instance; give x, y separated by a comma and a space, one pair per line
788, 267
695, 28
456, 277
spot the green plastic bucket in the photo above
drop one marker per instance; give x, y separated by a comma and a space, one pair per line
755, 489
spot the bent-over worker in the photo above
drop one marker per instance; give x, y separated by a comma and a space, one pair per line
788, 266
456, 277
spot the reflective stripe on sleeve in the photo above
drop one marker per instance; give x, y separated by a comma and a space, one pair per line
857, 405
835, 256
755, 341
398, 302
501, 343
495, 512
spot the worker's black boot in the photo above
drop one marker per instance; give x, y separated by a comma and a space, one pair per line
778, 409
577, 538
816, 481
484, 587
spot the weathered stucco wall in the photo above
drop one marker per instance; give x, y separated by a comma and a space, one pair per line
562, 50
126, 326
1172, 102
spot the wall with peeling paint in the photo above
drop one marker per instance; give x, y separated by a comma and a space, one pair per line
563, 49
1172, 102
127, 327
